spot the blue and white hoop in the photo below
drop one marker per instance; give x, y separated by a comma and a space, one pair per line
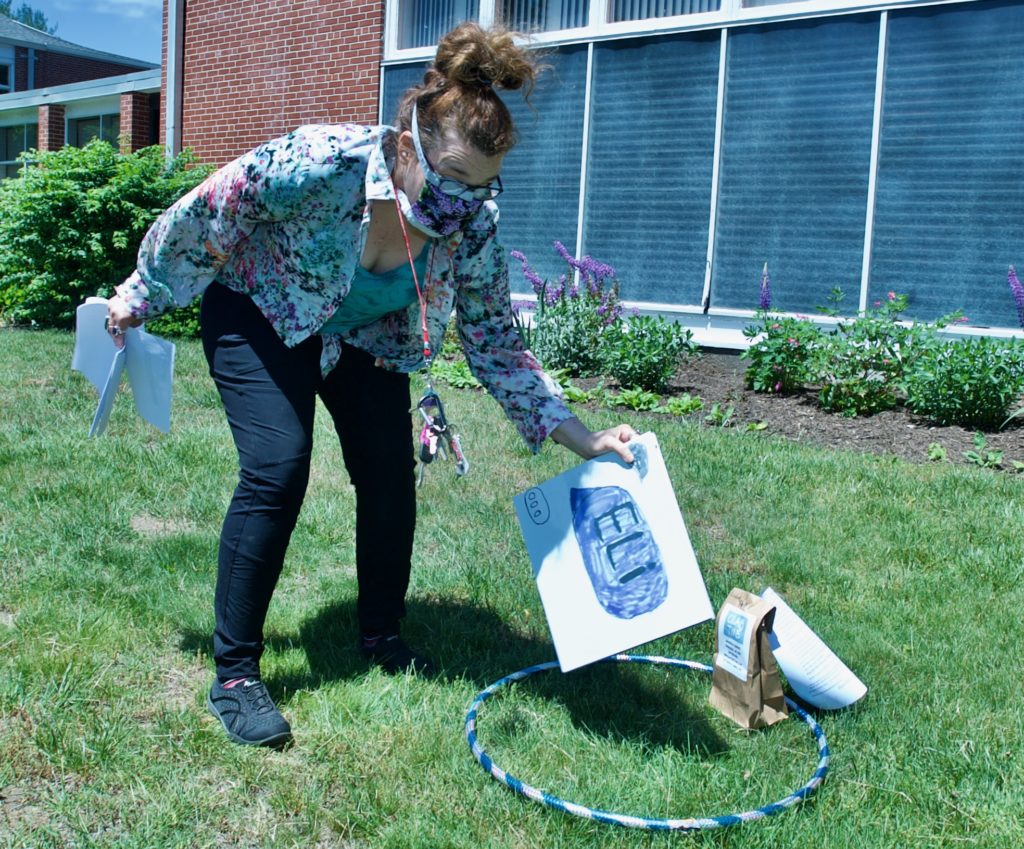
694, 824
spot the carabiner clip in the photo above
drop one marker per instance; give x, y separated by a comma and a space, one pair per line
437, 435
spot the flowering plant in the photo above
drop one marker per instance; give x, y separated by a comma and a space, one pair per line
572, 313
784, 352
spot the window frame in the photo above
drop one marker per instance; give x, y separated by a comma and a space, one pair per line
9, 88
4, 163
101, 117
730, 13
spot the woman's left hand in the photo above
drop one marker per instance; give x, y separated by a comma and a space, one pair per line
575, 436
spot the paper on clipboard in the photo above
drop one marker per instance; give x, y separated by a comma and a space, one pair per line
812, 669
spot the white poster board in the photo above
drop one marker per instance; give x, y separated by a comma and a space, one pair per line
611, 556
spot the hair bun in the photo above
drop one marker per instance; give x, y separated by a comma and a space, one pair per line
471, 57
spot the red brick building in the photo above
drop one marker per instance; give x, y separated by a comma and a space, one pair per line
54, 92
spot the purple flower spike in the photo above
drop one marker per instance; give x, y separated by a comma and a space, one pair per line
532, 277
1017, 290
765, 301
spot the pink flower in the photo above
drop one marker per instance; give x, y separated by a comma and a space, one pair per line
892, 296
778, 386
793, 342
877, 304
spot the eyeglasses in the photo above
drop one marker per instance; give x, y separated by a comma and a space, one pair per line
454, 188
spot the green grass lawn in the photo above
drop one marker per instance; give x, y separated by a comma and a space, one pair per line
913, 574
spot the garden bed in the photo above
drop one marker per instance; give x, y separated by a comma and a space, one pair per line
717, 377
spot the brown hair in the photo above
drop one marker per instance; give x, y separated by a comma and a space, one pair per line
457, 91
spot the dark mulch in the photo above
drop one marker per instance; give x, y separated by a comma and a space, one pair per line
718, 377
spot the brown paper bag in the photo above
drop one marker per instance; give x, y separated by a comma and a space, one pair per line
745, 683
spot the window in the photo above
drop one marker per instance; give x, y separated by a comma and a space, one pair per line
14, 141
6, 78
949, 202
636, 10
649, 173
81, 131
544, 15
422, 22
796, 144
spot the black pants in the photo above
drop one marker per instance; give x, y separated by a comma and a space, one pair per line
269, 393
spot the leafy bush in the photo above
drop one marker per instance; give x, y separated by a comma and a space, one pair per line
970, 382
71, 224
863, 365
645, 352
784, 357
571, 317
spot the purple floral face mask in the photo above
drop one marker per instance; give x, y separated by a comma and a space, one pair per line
443, 204
435, 213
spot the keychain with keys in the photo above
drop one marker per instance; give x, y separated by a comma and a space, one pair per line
437, 436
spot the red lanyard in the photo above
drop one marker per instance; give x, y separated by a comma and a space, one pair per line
427, 358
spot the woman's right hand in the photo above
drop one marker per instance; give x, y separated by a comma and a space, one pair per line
119, 319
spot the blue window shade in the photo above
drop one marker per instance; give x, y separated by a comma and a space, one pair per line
543, 15
652, 136
795, 157
397, 80
950, 200
635, 10
542, 172
423, 22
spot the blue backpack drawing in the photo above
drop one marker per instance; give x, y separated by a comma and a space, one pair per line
619, 552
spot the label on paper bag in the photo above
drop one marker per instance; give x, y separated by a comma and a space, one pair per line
734, 641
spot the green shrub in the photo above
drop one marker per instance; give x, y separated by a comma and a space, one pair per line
784, 357
645, 351
862, 367
970, 382
567, 336
71, 224
571, 317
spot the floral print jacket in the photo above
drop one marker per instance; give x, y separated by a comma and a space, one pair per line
286, 224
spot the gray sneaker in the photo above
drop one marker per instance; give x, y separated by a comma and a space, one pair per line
247, 712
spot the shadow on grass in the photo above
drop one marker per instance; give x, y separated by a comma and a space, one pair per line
471, 643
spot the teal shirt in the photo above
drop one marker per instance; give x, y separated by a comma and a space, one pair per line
373, 296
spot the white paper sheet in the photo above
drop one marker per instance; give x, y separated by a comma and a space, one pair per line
148, 360
812, 669
611, 556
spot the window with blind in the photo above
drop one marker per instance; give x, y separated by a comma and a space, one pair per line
636, 10
950, 201
799, 102
649, 171
542, 172
422, 22
13, 142
543, 15
81, 131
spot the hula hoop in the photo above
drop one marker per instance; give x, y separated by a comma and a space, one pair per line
629, 821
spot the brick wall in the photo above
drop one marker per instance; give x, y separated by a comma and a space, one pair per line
255, 69
134, 121
20, 68
58, 69
51, 127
